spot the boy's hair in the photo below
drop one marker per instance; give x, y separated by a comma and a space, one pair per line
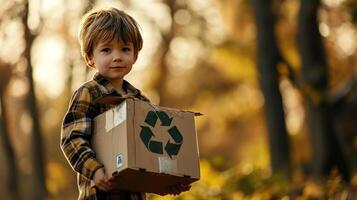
104, 25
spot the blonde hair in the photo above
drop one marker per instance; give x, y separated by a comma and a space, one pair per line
104, 25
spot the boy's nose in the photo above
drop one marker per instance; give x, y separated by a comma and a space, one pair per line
117, 57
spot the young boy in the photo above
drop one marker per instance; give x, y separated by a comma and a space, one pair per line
110, 41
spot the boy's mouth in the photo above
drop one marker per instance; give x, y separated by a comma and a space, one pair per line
117, 67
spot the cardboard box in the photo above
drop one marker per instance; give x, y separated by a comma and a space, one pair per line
147, 147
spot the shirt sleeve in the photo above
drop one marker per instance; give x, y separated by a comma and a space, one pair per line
76, 134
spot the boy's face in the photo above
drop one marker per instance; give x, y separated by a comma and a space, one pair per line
113, 60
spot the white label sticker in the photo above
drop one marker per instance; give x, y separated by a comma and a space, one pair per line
119, 160
167, 165
119, 114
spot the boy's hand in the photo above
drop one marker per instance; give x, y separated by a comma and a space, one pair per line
176, 189
101, 180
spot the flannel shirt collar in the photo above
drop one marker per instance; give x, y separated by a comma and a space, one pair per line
109, 89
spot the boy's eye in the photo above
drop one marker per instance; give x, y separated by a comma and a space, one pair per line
105, 50
126, 49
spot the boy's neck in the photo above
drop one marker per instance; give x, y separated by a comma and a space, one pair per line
118, 86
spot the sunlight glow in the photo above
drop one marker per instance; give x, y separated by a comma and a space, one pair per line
49, 5
18, 87
160, 17
346, 39
26, 123
52, 10
109, 3
49, 65
294, 111
324, 29
11, 46
151, 37
215, 23
216, 29
34, 18
184, 53
182, 17
332, 3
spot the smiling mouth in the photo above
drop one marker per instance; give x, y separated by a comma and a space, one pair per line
116, 67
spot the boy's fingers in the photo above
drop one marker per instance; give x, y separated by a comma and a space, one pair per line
104, 185
112, 180
106, 179
100, 187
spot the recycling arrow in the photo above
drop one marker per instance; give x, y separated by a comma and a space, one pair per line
151, 118
147, 135
164, 118
173, 148
175, 134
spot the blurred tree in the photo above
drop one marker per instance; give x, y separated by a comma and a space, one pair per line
12, 170
89, 5
268, 59
39, 189
72, 54
327, 152
160, 83
185, 25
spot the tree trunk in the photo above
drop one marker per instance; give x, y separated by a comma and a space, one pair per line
327, 152
39, 190
88, 6
161, 81
71, 49
268, 58
12, 170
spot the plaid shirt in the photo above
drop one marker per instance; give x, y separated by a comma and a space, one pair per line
77, 133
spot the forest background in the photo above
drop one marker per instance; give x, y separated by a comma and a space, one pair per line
275, 79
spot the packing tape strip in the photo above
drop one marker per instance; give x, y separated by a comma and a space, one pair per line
115, 116
119, 114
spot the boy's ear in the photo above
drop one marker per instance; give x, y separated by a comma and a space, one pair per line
135, 56
89, 60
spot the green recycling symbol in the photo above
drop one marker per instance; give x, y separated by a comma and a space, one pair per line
147, 136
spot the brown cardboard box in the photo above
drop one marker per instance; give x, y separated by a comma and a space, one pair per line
147, 147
